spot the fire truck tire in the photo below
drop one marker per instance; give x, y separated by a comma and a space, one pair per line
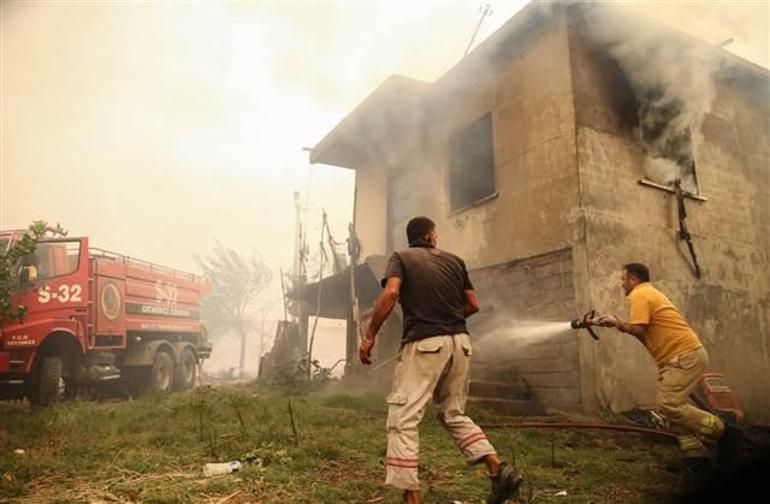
186, 370
49, 388
162, 374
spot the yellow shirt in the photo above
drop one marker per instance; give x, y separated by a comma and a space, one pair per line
668, 333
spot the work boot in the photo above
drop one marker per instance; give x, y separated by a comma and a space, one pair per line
711, 426
504, 484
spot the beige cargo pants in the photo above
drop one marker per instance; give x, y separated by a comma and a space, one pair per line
439, 367
676, 380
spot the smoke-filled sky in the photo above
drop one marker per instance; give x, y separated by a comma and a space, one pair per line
157, 127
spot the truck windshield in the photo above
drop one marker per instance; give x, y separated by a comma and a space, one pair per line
52, 259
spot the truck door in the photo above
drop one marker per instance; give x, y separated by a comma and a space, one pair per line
109, 303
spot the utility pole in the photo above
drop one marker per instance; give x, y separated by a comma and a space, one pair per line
297, 235
299, 280
486, 11
353, 335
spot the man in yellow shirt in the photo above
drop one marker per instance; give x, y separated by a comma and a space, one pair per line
677, 351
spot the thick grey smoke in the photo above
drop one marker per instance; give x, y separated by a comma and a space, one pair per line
672, 76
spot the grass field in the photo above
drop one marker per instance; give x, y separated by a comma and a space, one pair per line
153, 449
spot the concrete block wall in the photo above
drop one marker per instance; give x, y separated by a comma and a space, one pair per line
513, 296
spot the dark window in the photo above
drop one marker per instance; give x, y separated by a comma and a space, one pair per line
472, 164
666, 139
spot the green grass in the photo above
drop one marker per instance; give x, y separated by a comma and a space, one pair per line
153, 449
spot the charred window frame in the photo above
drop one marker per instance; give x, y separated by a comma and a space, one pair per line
666, 145
472, 164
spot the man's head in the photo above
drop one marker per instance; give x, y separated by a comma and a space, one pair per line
421, 228
633, 274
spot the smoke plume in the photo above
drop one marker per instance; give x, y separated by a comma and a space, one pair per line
672, 76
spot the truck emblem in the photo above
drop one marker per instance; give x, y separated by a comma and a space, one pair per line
110, 300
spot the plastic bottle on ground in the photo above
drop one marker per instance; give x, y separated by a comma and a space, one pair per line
215, 469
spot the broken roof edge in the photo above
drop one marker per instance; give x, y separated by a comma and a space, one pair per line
325, 151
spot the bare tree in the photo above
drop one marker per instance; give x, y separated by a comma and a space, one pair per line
236, 284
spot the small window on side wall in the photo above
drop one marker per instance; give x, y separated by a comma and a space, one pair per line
472, 164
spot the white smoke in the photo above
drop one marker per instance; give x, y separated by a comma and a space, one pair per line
672, 74
500, 337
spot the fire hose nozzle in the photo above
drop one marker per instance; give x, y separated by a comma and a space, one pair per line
586, 323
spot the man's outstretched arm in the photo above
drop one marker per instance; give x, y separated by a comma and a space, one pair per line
638, 330
382, 309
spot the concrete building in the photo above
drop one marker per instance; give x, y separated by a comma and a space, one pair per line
533, 154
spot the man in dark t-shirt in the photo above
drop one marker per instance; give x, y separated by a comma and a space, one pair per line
433, 299
433, 361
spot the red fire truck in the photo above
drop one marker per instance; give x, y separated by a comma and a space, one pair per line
96, 316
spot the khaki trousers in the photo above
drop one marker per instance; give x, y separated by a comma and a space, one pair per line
676, 380
435, 367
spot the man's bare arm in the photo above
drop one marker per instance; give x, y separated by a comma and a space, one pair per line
638, 330
384, 306
471, 303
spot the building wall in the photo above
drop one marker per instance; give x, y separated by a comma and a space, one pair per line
730, 306
535, 173
507, 348
567, 165
370, 209
529, 95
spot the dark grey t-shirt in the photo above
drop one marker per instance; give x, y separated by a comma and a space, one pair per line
432, 291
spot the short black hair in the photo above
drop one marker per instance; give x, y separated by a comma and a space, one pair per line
418, 227
639, 270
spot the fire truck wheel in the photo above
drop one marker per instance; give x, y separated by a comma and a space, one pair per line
162, 372
186, 371
50, 385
